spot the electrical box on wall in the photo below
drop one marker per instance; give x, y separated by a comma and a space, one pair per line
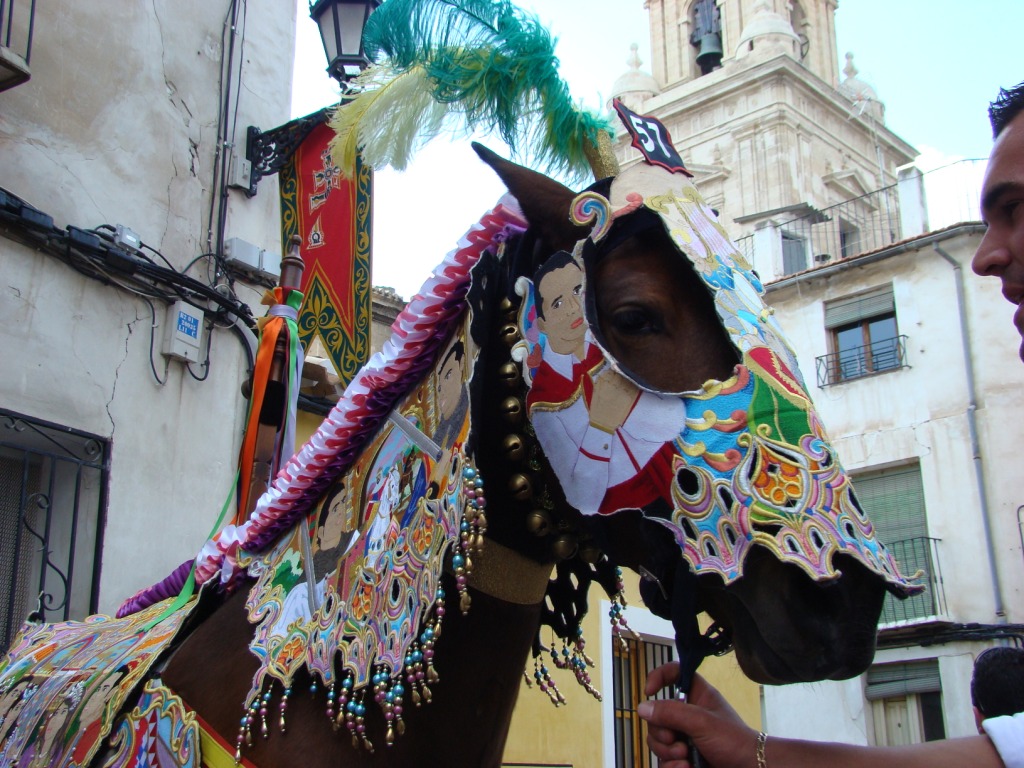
184, 332
251, 258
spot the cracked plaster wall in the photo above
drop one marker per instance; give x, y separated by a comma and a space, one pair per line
119, 125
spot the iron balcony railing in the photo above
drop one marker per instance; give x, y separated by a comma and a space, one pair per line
857, 362
17, 23
872, 221
917, 555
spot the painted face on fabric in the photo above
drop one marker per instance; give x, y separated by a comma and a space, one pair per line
330, 532
1001, 252
559, 296
449, 384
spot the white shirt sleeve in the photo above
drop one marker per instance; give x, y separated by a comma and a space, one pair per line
1007, 734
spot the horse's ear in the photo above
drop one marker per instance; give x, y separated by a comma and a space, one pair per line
545, 202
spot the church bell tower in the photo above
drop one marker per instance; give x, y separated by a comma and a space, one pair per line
754, 98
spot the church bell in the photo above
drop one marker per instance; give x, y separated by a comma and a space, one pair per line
709, 53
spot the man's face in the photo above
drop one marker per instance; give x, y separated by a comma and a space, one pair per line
329, 534
449, 385
559, 293
1001, 252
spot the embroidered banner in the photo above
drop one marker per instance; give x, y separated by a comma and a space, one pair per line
332, 216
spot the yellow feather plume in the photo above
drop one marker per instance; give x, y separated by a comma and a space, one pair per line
393, 115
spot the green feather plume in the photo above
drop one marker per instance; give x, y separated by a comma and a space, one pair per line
462, 64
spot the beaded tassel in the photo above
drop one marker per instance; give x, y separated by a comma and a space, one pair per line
332, 694
355, 722
617, 611
545, 683
471, 531
264, 707
414, 673
343, 700
283, 706
245, 729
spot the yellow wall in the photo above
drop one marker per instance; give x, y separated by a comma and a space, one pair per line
573, 734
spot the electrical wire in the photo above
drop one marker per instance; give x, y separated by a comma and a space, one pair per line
206, 363
152, 337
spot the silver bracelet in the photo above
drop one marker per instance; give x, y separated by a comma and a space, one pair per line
762, 739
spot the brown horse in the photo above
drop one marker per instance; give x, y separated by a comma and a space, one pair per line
800, 603
657, 320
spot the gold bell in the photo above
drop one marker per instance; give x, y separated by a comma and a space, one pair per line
512, 409
509, 334
538, 522
565, 546
514, 447
520, 487
508, 374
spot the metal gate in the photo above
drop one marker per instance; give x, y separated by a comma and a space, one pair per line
53, 499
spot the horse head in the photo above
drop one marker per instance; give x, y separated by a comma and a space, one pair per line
675, 423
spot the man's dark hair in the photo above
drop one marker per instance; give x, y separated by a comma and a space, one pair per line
457, 349
997, 685
557, 260
1008, 104
325, 509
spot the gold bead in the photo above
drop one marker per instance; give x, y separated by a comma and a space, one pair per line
538, 522
512, 409
565, 546
514, 447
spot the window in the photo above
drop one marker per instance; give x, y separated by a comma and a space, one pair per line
906, 702
632, 664
894, 500
849, 239
53, 490
794, 254
864, 337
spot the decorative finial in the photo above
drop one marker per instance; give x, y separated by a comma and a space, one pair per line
849, 70
634, 61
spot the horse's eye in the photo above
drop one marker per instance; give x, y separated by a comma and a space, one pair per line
635, 321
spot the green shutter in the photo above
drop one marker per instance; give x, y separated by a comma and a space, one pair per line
853, 309
894, 502
885, 681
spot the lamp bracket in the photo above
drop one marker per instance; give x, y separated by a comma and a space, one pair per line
269, 151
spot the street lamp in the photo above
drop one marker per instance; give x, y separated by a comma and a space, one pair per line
341, 25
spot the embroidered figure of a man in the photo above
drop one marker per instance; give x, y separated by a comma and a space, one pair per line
599, 430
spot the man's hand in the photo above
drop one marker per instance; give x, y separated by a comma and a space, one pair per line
613, 399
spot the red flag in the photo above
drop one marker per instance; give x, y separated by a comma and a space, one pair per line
332, 215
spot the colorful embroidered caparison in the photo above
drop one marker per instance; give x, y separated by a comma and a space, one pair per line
159, 732
740, 462
70, 679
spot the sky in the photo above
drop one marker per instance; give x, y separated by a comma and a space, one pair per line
936, 64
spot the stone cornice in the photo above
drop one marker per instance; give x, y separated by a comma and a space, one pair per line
736, 78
